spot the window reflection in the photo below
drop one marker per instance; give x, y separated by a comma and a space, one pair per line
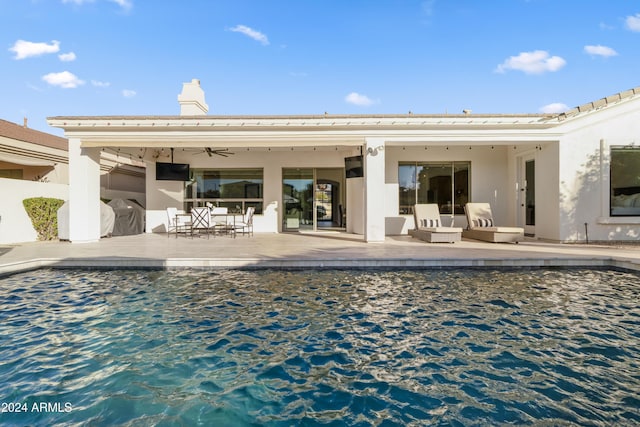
443, 183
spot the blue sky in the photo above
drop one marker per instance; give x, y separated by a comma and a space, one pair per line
130, 57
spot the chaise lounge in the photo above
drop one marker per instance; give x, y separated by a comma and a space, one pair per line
482, 226
428, 225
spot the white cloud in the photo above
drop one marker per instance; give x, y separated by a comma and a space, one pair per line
25, 49
536, 62
427, 7
554, 108
67, 57
64, 79
599, 50
604, 26
97, 83
633, 22
128, 93
250, 32
125, 4
358, 99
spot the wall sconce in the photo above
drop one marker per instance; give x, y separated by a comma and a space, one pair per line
373, 151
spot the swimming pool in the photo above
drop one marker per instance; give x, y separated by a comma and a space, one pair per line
320, 347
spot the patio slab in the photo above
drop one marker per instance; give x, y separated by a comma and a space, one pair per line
307, 250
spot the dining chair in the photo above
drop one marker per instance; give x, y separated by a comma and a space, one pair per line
201, 221
246, 224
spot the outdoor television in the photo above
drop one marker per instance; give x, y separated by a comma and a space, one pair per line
172, 171
353, 167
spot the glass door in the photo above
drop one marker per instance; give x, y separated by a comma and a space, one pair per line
528, 195
329, 199
313, 199
297, 198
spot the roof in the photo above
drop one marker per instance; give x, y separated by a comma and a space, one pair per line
600, 103
344, 119
22, 133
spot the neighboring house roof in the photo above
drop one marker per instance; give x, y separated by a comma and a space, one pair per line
23, 133
29, 147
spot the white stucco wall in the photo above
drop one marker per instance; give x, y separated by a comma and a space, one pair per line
547, 195
584, 170
15, 224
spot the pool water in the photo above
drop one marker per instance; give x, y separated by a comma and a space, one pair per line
320, 347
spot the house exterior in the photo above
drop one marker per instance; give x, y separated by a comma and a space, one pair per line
567, 177
36, 164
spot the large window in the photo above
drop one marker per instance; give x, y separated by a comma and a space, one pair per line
235, 189
625, 181
444, 183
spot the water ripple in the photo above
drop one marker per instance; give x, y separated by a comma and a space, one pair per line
281, 348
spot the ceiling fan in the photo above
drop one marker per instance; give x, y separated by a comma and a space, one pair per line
223, 152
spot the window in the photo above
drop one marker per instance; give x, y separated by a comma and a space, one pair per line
625, 181
11, 173
444, 183
235, 189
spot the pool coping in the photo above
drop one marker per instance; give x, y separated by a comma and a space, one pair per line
153, 251
364, 263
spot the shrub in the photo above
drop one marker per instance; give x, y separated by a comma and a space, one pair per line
43, 212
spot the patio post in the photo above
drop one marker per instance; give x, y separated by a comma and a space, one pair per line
84, 193
374, 190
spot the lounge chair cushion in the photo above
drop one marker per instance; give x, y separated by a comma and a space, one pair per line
501, 229
429, 223
482, 222
441, 229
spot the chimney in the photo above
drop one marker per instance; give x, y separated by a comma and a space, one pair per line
192, 99
24, 122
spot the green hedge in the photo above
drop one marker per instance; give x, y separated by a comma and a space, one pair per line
43, 212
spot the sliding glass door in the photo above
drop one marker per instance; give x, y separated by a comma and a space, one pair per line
297, 198
313, 199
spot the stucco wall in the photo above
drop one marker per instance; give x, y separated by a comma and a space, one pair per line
15, 224
547, 193
58, 174
584, 173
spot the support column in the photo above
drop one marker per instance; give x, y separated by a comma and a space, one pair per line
84, 193
374, 190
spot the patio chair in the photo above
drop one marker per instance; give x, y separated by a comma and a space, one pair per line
482, 226
219, 218
201, 221
246, 224
428, 226
177, 222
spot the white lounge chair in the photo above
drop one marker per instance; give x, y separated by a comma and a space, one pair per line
482, 226
429, 225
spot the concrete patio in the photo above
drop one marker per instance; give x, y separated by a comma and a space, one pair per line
307, 250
